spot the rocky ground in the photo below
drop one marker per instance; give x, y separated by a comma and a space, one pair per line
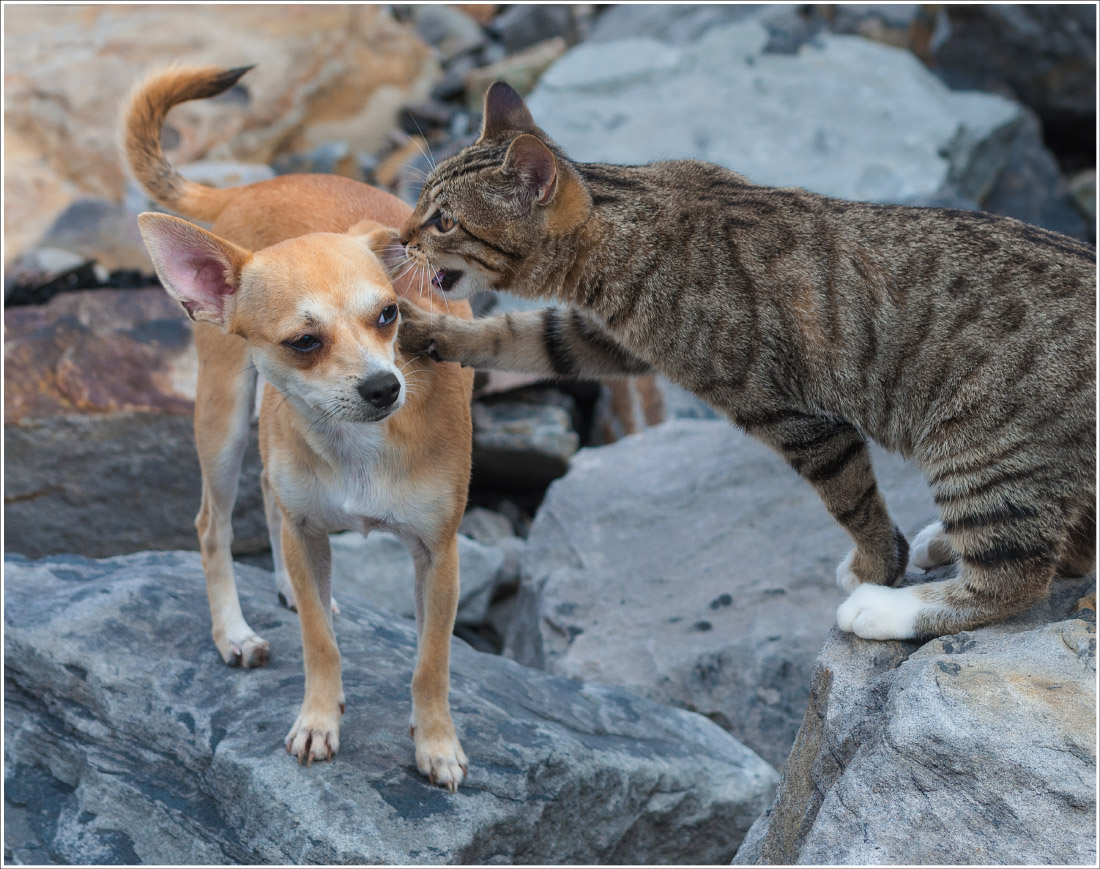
685, 565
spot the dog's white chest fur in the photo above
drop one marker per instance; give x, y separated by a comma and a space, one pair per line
367, 485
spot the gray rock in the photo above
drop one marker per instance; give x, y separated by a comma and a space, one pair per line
1031, 188
378, 570
38, 274
101, 230
680, 24
690, 564
328, 158
451, 31
521, 25
1043, 53
1082, 189
845, 117
974, 748
105, 483
127, 740
486, 526
521, 446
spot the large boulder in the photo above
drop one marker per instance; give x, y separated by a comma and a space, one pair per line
978, 747
100, 455
327, 73
127, 740
851, 118
690, 564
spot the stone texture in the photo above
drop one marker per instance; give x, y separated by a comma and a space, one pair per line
1031, 188
326, 73
127, 740
100, 456
378, 570
521, 70
975, 748
690, 564
522, 25
521, 446
103, 231
852, 118
448, 29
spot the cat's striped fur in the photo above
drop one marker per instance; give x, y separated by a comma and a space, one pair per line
962, 340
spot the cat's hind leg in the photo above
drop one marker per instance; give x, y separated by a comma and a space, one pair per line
1008, 530
931, 547
832, 456
1078, 556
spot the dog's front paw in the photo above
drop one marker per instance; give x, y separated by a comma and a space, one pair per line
316, 733
440, 757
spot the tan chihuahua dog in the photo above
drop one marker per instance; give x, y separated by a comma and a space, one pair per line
353, 434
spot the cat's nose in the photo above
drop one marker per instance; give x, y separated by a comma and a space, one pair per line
380, 391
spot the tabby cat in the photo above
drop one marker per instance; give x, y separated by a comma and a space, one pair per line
962, 340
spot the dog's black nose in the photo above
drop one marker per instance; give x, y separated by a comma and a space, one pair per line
381, 390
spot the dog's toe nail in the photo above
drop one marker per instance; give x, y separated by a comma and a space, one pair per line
412, 730
342, 707
282, 599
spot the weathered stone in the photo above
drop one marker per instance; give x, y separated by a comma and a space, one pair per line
100, 455
973, 748
690, 564
521, 446
448, 29
326, 73
1031, 188
1045, 54
103, 231
679, 24
127, 740
851, 118
378, 570
41, 273
522, 25
1082, 188
521, 71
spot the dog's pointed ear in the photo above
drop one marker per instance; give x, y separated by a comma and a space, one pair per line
504, 113
382, 241
198, 269
533, 168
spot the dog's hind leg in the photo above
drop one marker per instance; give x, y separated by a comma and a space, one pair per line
224, 400
438, 752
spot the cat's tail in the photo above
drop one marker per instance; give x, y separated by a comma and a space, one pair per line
142, 120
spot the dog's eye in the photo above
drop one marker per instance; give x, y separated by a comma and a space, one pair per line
389, 314
442, 221
304, 343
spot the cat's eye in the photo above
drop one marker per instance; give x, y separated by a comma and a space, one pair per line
389, 314
305, 343
442, 221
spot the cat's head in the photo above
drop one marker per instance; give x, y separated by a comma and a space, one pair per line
487, 215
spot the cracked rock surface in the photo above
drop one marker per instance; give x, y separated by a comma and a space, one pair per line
977, 747
128, 740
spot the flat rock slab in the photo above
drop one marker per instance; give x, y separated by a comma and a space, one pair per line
851, 118
978, 747
127, 740
689, 563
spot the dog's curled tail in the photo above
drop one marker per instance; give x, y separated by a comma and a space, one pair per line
142, 120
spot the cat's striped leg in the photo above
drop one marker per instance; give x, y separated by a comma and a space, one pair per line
553, 342
1078, 556
832, 456
1008, 530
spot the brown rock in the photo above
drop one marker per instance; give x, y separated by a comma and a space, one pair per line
326, 73
100, 458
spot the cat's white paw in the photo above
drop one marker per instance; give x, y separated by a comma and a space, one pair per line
846, 577
876, 612
931, 548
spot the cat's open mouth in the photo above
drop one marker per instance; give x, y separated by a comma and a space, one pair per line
445, 279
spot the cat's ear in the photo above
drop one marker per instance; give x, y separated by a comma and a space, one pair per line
504, 113
198, 269
533, 167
